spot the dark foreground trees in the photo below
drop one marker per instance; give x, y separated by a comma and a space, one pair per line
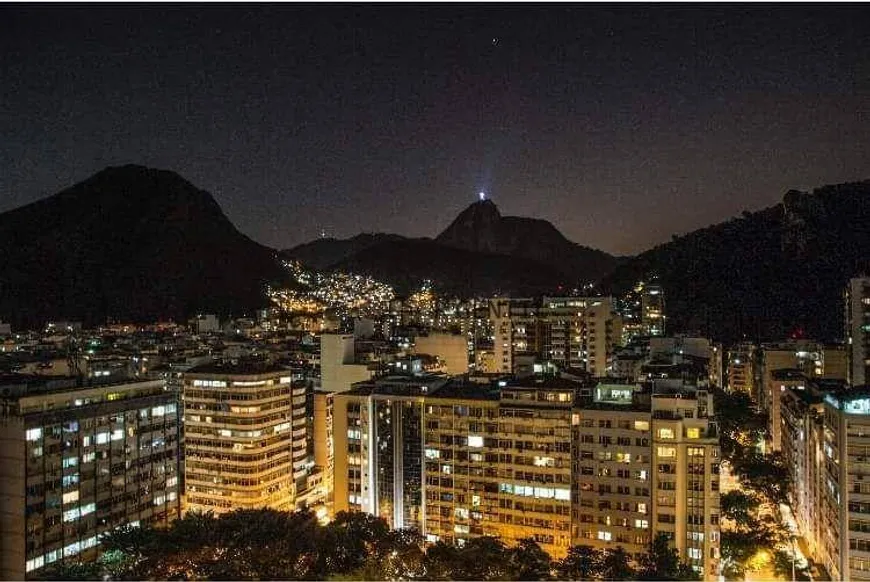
272, 545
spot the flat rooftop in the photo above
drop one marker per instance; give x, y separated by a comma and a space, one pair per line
238, 368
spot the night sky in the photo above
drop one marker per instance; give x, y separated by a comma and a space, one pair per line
620, 124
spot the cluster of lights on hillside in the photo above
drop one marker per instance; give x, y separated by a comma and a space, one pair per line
343, 292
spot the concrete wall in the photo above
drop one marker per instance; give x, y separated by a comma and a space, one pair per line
452, 349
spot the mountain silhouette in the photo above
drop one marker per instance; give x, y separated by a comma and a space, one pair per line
482, 228
766, 275
129, 243
480, 252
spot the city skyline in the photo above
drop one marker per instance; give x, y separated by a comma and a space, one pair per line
435, 292
302, 120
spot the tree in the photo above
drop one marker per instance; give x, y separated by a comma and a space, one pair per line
529, 562
616, 565
401, 558
72, 571
662, 562
440, 561
741, 507
741, 426
766, 474
483, 558
581, 563
353, 537
784, 565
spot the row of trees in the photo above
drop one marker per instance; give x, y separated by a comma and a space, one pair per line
753, 524
272, 545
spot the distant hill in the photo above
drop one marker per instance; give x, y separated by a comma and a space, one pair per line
767, 275
405, 263
129, 243
481, 252
325, 252
482, 228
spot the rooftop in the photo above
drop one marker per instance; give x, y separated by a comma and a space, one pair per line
461, 388
242, 367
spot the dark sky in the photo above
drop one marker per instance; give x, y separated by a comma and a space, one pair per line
620, 124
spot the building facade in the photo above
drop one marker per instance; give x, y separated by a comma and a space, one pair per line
245, 437
546, 458
80, 461
828, 454
857, 319
741, 369
569, 332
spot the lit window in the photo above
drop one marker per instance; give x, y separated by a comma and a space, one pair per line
71, 514
433, 454
667, 452
34, 564
666, 433
544, 461
475, 441
693, 433
605, 535
34, 434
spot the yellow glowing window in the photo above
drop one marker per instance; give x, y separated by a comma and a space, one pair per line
693, 433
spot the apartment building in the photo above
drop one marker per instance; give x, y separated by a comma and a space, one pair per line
793, 359
801, 422
80, 461
828, 454
378, 455
570, 332
647, 461
547, 458
857, 320
741, 369
652, 296
500, 464
245, 437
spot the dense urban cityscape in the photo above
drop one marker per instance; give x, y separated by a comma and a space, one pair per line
570, 424
412, 292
